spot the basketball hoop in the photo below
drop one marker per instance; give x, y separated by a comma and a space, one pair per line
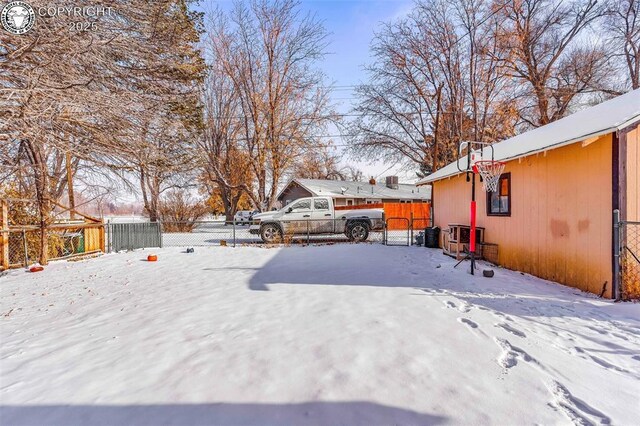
490, 172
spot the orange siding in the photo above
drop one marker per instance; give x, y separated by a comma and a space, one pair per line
560, 223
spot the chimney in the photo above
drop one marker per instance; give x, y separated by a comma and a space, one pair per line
392, 182
372, 181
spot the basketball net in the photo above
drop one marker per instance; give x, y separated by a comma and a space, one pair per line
490, 172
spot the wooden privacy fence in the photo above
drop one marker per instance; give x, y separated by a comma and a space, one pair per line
418, 214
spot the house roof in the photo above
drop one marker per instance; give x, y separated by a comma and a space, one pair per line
604, 118
334, 189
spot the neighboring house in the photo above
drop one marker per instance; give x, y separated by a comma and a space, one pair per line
552, 215
346, 193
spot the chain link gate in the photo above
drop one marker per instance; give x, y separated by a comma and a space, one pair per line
626, 257
397, 231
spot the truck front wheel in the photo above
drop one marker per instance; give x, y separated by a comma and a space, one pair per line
357, 231
270, 233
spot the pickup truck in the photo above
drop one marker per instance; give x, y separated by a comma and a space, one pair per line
316, 215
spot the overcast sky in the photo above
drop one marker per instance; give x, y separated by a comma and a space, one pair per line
352, 24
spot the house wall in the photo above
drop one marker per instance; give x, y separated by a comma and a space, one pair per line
560, 226
293, 192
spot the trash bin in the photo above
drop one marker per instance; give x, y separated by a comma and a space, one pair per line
431, 236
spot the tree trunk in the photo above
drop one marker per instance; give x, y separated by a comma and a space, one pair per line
72, 200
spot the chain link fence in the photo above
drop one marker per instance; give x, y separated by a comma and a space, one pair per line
403, 231
24, 244
206, 233
398, 231
629, 260
394, 231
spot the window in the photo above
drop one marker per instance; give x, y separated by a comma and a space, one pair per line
349, 202
321, 204
302, 205
499, 202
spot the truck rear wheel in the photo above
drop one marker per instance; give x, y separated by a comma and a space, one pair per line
271, 233
357, 232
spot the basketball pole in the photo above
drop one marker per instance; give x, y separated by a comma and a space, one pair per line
472, 236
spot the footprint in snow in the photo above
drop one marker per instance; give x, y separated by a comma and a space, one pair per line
609, 366
511, 330
464, 307
468, 322
511, 354
449, 304
578, 411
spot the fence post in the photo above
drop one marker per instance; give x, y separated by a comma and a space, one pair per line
26, 250
384, 231
431, 224
234, 233
108, 236
4, 234
411, 229
617, 291
160, 242
308, 232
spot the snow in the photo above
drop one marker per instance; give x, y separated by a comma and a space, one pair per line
351, 189
211, 233
601, 119
334, 334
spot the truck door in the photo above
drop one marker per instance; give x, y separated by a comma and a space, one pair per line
321, 217
295, 218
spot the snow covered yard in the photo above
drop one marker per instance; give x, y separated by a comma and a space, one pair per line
342, 334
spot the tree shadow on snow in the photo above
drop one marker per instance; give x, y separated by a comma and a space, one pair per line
307, 413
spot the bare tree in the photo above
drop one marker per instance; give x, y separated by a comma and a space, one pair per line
541, 45
179, 211
435, 81
269, 51
323, 163
622, 23
225, 163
